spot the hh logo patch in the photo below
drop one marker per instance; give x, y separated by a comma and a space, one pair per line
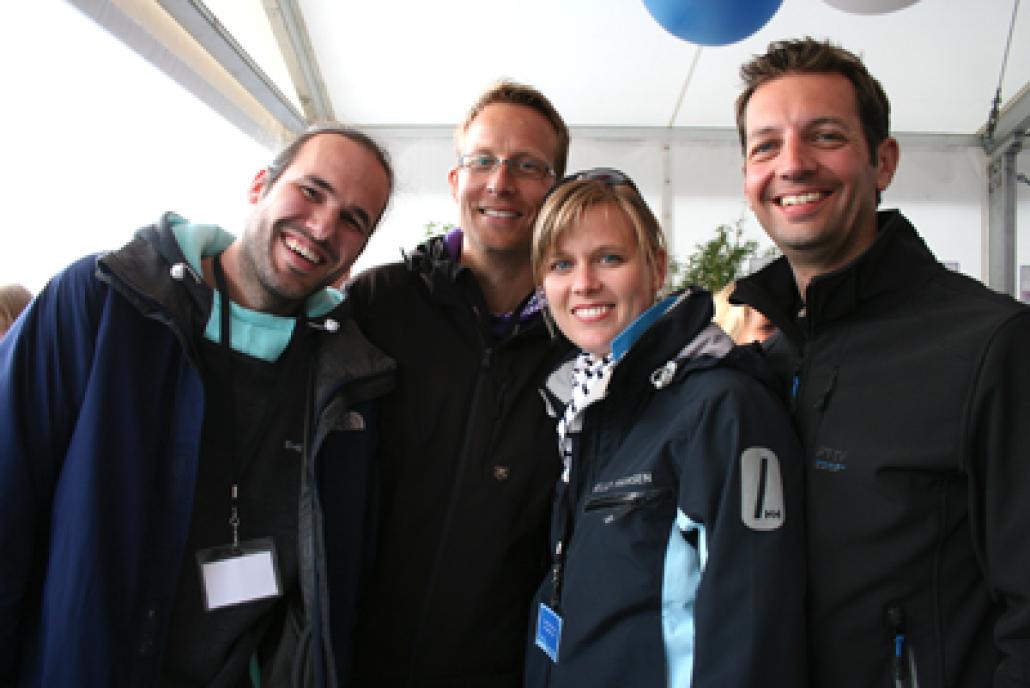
761, 489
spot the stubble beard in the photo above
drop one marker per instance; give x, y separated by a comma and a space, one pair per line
258, 274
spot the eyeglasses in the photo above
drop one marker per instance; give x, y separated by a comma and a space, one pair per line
524, 166
607, 175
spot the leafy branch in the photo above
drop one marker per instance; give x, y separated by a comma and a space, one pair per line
716, 262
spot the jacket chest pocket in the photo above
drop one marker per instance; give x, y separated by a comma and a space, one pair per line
615, 507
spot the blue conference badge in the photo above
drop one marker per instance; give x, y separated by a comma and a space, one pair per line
548, 631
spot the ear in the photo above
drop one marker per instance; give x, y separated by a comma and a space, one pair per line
887, 155
661, 264
257, 187
452, 179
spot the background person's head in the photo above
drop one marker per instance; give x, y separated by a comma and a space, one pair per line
314, 210
511, 147
599, 256
806, 118
742, 323
13, 300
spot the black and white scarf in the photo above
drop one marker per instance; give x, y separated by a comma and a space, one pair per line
590, 377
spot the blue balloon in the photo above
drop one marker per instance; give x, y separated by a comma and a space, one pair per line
712, 22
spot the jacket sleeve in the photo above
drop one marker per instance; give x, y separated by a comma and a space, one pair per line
44, 365
749, 612
999, 453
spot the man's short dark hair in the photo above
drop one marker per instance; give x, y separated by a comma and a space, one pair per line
286, 156
809, 56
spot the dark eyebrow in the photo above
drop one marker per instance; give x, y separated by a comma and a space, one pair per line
814, 122
321, 183
820, 121
764, 131
357, 211
364, 220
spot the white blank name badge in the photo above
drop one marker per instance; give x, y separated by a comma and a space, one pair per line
248, 574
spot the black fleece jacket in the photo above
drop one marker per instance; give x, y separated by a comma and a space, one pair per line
911, 395
469, 461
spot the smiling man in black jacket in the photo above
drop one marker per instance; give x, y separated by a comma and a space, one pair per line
468, 456
911, 389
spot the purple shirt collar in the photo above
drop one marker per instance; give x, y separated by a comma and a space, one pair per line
501, 322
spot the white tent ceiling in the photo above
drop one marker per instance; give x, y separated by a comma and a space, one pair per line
608, 63
605, 63
403, 66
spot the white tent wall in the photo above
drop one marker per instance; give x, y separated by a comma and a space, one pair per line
103, 141
941, 189
99, 145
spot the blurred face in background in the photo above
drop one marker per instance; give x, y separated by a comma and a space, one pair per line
755, 328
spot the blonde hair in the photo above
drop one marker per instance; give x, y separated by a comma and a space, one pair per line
736, 319
13, 299
567, 203
729, 317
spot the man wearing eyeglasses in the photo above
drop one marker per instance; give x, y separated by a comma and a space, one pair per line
468, 459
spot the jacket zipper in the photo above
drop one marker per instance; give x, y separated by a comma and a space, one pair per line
903, 665
623, 503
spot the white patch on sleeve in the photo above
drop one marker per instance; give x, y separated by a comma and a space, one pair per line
761, 489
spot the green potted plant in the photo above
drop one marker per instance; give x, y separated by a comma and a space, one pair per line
716, 262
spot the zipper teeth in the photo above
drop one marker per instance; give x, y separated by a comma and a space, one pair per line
615, 500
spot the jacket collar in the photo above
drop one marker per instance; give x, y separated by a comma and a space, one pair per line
678, 332
453, 286
154, 275
896, 263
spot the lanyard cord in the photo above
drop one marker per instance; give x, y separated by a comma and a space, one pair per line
299, 350
230, 392
225, 342
564, 535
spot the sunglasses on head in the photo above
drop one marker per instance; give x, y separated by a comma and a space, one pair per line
607, 175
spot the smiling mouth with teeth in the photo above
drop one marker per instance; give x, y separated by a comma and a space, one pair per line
798, 199
490, 212
297, 248
591, 311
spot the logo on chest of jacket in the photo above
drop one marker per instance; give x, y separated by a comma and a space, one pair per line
830, 459
761, 489
637, 479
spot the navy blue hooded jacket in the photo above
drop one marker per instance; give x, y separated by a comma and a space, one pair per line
682, 561
101, 408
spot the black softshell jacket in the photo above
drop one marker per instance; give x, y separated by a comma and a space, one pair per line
912, 399
469, 462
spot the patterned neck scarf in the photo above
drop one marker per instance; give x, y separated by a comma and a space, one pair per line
590, 376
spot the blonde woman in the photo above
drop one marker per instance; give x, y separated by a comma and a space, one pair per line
676, 546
